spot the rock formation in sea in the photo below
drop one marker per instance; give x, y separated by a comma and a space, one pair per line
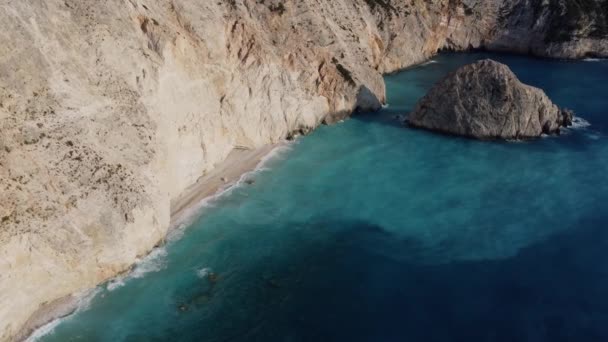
485, 100
109, 110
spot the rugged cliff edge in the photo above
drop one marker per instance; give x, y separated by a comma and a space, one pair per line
110, 109
485, 100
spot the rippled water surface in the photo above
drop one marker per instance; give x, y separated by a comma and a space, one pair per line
371, 231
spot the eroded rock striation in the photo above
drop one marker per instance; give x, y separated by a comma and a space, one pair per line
110, 109
485, 100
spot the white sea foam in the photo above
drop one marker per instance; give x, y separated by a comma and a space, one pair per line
191, 214
276, 152
432, 61
204, 272
156, 260
176, 233
84, 302
153, 262
592, 60
44, 330
578, 123
116, 283
86, 298
522, 141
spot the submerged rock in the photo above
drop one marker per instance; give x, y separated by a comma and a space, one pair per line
485, 100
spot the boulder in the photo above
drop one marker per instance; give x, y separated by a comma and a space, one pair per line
485, 100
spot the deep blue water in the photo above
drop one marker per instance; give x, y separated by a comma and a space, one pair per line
371, 231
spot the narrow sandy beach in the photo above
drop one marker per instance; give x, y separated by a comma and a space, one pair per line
224, 175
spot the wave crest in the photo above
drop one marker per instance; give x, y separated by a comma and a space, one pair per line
432, 61
578, 123
153, 262
84, 302
204, 272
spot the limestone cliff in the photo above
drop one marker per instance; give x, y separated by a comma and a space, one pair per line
110, 109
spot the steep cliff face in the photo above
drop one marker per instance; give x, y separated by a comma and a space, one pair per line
553, 28
109, 110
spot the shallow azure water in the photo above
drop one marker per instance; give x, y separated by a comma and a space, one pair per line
371, 231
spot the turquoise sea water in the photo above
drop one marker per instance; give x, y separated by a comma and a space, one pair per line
371, 231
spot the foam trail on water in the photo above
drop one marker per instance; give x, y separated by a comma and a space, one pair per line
193, 212
204, 272
153, 262
116, 283
84, 302
176, 233
44, 330
432, 61
578, 123
275, 154
593, 59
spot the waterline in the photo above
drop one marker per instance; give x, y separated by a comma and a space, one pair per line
371, 231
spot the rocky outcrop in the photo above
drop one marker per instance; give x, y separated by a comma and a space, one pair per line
110, 109
485, 100
553, 28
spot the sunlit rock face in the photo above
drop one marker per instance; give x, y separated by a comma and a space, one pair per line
485, 100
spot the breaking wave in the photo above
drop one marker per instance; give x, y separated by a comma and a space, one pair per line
578, 123
153, 262
84, 302
432, 61
193, 212
204, 272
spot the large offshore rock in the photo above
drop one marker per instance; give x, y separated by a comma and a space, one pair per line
485, 100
